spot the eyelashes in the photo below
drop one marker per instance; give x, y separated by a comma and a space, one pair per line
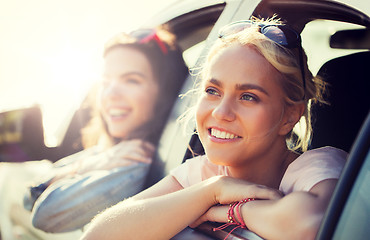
249, 97
133, 81
212, 91
245, 96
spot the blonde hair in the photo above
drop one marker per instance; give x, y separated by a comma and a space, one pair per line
287, 62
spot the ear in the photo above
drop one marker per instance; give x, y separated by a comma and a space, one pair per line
291, 116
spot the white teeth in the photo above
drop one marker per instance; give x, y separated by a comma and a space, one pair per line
221, 134
117, 112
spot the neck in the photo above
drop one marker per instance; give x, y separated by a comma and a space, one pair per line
267, 169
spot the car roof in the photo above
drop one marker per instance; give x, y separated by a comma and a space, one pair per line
299, 12
304, 10
179, 8
187, 16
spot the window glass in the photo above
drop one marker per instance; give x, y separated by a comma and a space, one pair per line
316, 40
192, 54
355, 219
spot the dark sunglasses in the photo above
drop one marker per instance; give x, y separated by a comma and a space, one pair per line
147, 35
280, 34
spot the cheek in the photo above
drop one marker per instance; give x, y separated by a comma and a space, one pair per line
203, 109
100, 101
262, 119
146, 100
102, 95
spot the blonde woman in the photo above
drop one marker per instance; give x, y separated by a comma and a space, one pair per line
256, 172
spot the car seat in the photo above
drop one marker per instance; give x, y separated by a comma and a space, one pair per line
338, 123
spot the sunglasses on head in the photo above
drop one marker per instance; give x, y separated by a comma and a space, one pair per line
147, 35
280, 34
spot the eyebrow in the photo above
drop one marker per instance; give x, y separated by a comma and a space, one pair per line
241, 87
215, 82
130, 73
134, 73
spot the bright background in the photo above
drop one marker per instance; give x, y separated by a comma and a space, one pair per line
51, 51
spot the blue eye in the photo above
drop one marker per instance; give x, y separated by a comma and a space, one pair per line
212, 91
249, 97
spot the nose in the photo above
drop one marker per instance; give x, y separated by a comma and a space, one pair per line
224, 110
113, 89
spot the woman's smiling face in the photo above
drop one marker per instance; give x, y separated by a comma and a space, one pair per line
129, 91
241, 109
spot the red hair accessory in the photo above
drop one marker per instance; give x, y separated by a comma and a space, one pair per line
155, 37
146, 35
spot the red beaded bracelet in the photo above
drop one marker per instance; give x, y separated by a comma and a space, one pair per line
231, 220
238, 213
230, 213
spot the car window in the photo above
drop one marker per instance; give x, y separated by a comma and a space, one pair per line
192, 54
355, 219
315, 40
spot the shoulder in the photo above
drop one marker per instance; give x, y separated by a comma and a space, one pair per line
327, 152
320, 157
312, 167
191, 163
195, 170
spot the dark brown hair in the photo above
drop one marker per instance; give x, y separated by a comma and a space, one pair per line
169, 70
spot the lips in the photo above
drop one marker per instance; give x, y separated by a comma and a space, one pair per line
117, 113
221, 134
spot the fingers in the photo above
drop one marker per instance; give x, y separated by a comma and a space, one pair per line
140, 145
136, 150
138, 154
137, 157
148, 147
230, 190
263, 192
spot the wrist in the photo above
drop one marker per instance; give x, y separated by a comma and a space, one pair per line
216, 189
234, 216
210, 189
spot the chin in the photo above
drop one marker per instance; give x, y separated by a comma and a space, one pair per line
218, 160
118, 134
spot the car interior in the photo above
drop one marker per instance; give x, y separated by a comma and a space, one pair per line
337, 124
21, 132
27, 125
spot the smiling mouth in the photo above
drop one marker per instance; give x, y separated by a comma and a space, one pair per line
222, 134
118, 112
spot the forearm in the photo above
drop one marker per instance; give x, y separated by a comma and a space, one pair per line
67, 171
67, 206
155, 218
68, 166
295, 216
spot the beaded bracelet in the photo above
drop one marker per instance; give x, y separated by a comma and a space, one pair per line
238, 213
231, 220
230, 213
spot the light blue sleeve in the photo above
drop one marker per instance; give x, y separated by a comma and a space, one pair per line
69, 204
